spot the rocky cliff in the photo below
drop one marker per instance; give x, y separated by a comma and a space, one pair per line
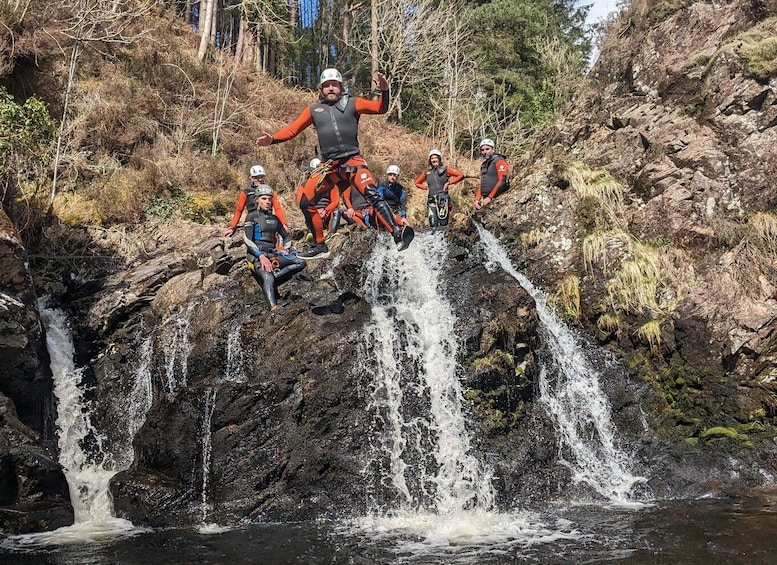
647, 212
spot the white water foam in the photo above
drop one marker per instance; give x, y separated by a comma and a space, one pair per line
88, 472
570, 390
431, 493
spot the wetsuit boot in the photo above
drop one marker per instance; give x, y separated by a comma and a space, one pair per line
402, 235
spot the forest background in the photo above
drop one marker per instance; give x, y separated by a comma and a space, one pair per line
124, 111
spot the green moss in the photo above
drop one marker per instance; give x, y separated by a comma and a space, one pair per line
494, 359
720, 432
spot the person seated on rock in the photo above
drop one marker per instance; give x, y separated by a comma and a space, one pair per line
393, 192
327, 207
263, 235
437, 179
357, 209
247, 200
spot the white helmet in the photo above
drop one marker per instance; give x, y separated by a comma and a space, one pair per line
488, 142
435, 152
315, 162
330, 74
264, 190
392, 170
257, 171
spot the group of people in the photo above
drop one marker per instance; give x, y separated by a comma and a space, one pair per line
342, 171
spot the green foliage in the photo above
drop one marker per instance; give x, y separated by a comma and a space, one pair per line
26, 132
507, 34
177, 204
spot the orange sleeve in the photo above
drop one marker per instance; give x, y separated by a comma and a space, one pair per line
241, 203
304, 120
454, 176
277, 209
334, 200
365, 106
347, 197
502, 170
420, 181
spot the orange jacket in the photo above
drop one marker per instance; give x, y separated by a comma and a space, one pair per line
241, 204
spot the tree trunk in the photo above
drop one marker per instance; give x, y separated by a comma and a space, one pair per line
204, 26
240, 48
373, 37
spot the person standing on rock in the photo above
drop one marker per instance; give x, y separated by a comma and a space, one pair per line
247, 200
336, 119
437, 179
493, 175
267, 263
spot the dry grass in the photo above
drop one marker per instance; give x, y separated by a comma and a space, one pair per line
650, 334
598, 188
609, 323
600, 245
566, 300
754, 258
758, 48
531, 238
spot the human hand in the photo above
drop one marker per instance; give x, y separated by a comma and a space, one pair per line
228, 232
478, 204
321, 212
264, 140
486, 201
265, 263
350, 212
379, 80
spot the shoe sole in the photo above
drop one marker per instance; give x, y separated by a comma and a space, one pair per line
314, 257
407, 236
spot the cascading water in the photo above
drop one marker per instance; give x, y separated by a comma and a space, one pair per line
569, 388
415, 349
427, 481
87, 467
176, 348
235, 371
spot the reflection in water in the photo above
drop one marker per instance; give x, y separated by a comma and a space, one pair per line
704, 532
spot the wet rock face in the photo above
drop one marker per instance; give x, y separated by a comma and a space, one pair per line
277, 402
33, 491
678, 115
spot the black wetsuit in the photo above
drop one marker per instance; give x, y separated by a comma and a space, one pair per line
260, 239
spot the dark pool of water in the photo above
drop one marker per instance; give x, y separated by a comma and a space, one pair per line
701, 532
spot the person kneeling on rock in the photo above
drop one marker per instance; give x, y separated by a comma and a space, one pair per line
268, 264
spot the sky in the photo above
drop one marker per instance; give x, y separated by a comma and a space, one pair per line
599, 9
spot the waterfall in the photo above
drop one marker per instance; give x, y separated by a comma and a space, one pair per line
87, 467
207, 449
234, 370
569, 389
416, 395
431, 495
176, 348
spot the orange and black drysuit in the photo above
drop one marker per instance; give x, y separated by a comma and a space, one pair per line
354, 200
437, 181
337, 129
247, 200
329, 202
493, 177
261, 238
